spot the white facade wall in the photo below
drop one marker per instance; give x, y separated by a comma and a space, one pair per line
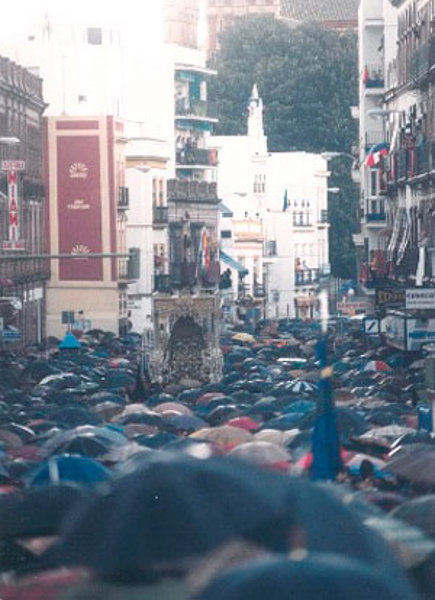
305, 177
377, 31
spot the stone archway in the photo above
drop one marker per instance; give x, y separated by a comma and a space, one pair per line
185, 350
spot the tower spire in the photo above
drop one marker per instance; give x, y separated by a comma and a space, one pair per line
255, 123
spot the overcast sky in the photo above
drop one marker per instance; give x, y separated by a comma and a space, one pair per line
20, 15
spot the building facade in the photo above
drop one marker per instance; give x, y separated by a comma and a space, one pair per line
377, 39
221, 14
277, 201
22, 205
147, 227
335, 14
398, 258
183, 341
87, 200
401, 252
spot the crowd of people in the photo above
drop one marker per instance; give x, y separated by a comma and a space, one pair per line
112, 486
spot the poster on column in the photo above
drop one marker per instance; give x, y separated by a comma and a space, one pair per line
79, 207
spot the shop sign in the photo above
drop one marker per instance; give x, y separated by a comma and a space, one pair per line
420, 299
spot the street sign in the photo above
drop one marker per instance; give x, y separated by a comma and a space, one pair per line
372, 326
12, 165
420, 298
11, 336
389, 298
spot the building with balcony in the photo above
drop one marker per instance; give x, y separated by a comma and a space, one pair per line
284, 196
23, 275
377, 35
147, 226
398, 222
195, 117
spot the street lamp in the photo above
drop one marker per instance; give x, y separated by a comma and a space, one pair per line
355, 174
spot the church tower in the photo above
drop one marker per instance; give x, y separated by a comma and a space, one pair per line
258, 140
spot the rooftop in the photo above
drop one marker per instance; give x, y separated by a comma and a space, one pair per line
321, 10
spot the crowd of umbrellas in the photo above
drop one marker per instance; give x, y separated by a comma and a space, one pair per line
112, 486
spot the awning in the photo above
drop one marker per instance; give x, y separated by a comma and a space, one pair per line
233, 263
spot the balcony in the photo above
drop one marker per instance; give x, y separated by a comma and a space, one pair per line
188, 108
179, 190
26, 270
376, 219
195, 158
373, 138
123, 198
160, 215
422, 60
373, 76
183, 274
422, 159
259, 291
307, 277
324, 217
163, 284
411, 163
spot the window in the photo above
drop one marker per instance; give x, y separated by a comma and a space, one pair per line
226, 234
154, 192
68, 317
161, 192
94, 36
271, 248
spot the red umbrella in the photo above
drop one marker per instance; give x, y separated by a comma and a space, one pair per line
245, 423
209, 396
377, 365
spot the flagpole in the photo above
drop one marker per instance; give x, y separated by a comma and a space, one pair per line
326, 443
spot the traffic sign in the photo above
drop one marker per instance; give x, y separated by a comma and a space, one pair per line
372, 326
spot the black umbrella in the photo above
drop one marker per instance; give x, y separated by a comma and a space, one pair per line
75, 416
171, 510
325, 576
38, 369
37, 511
415, 463
419, 512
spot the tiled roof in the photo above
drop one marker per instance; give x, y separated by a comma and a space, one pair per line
321, 10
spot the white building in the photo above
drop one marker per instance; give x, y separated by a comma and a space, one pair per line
377, 33
287, 194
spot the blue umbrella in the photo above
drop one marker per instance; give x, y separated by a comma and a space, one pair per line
66, 468
185, 422
326, 442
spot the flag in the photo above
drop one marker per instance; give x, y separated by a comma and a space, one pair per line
203, 254
365, 75
326, 442
285, 204
376, 153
